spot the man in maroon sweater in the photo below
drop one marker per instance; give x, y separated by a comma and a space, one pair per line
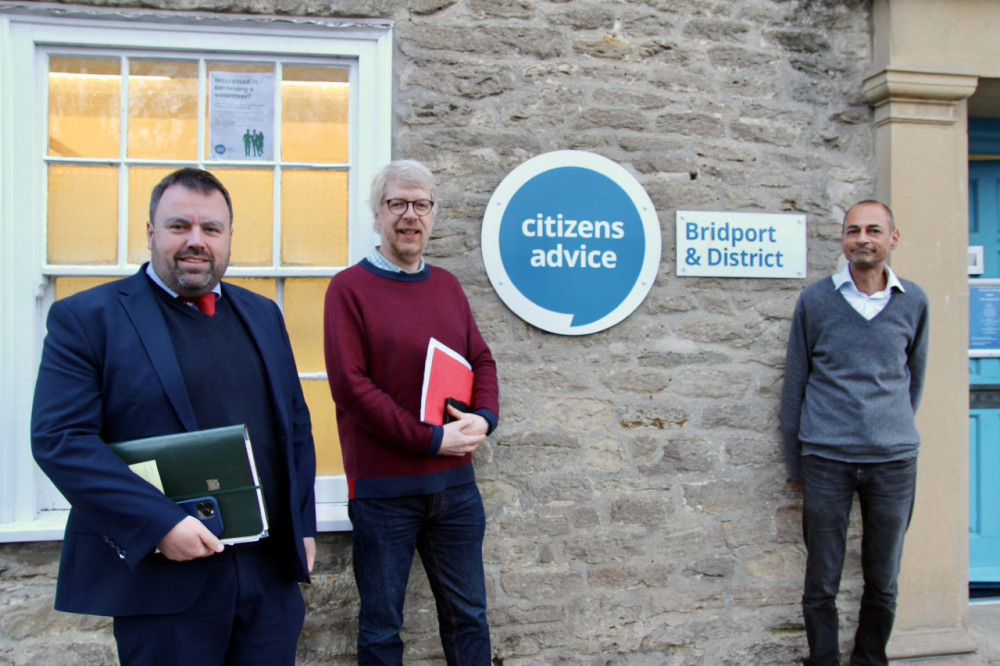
412, 485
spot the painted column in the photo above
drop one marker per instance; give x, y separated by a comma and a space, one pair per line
922, 153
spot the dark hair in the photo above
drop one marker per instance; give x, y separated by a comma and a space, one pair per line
198, 180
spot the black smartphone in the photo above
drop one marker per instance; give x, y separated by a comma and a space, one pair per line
457, 404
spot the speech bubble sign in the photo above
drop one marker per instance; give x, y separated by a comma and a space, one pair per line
571, 242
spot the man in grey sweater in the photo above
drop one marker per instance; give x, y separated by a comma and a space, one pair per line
854, 372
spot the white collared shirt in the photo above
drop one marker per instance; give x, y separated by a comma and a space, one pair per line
867, 306
156, 278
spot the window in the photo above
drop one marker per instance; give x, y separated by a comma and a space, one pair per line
294, 119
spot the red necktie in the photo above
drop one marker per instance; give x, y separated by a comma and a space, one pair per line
205, 303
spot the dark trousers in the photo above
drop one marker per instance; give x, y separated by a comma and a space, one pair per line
447, 529
247, 615
885, 492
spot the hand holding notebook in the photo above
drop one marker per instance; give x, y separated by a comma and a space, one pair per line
194, 467
447, 376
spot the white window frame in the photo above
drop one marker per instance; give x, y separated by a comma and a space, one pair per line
23, 133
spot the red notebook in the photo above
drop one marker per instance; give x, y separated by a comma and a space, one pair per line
446, 375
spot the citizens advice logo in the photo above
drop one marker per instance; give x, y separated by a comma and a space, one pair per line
571, 242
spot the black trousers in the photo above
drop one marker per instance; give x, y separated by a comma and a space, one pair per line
885, 492
247, 615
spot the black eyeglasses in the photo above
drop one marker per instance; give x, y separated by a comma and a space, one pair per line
420, 206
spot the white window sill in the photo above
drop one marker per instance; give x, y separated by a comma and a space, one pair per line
51, 525
47, 527
332, 518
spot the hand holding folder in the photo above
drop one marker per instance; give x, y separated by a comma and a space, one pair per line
211, 473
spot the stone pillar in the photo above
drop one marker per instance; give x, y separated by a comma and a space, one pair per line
922, 153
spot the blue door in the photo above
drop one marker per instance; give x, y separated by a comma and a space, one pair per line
984, 392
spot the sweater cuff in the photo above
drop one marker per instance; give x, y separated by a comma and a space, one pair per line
436, 437
794, 468
490, 417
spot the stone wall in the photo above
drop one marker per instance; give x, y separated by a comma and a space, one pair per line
635, 491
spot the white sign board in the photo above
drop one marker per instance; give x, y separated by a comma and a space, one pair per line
241, 115
754, 245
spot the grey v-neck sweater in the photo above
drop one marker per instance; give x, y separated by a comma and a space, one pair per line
852, 385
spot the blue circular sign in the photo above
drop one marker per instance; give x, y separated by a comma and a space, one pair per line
571, 242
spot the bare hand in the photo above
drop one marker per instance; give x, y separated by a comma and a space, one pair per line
464, 435
189, 540
310, 545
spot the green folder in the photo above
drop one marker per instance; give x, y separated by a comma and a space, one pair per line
215, 463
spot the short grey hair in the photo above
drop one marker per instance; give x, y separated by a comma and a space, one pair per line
405, 172
872, 202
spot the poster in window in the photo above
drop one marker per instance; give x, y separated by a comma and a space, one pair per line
984, 320
241, 116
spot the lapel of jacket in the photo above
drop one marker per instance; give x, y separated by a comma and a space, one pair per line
139, 302
270, 347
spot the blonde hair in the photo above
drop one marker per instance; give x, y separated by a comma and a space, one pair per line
404, 172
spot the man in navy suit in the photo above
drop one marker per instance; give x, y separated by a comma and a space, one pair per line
137, 358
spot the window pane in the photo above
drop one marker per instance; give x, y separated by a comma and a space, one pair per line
84, 107
266, 287
252, 192
67, 286
314, 114
83, 214
314, 218
244, 105
304, 319
324, 427
141, 181
163, 110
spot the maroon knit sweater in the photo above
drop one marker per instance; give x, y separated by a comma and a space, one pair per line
376, 328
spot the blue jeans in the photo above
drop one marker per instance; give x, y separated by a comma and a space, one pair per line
447, 529
885, 492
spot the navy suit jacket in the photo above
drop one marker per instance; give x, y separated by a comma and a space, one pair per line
109, 373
